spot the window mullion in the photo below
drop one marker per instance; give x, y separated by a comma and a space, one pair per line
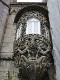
32, 27
27, 28
39, 28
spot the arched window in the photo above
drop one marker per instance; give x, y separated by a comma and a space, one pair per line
33, 26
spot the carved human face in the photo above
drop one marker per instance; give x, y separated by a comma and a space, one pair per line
31, 42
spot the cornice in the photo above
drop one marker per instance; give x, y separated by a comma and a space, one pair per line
15, 7
26, 3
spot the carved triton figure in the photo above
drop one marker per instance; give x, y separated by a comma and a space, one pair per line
33, 53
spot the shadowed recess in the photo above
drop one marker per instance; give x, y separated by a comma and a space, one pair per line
30, 8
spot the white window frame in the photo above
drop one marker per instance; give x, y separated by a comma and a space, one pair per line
32, 27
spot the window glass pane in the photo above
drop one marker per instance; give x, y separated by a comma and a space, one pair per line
39, 28
29, 28
33, 26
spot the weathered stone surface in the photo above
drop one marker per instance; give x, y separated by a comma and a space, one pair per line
10, 26
3, 16
6, 66
9, 33
7, 47
44, 0
9, 36
11, 39
11, 19
7, 1
6, 55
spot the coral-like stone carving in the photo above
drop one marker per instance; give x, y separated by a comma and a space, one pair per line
33, 57
32, 53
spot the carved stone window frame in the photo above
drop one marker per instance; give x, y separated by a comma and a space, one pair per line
34, 14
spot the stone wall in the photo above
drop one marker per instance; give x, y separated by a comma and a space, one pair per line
6, 63
8, 66
7, 47
44, 0
7, 35
54, 16
3, 19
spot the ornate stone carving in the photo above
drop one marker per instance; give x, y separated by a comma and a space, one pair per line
32, 52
